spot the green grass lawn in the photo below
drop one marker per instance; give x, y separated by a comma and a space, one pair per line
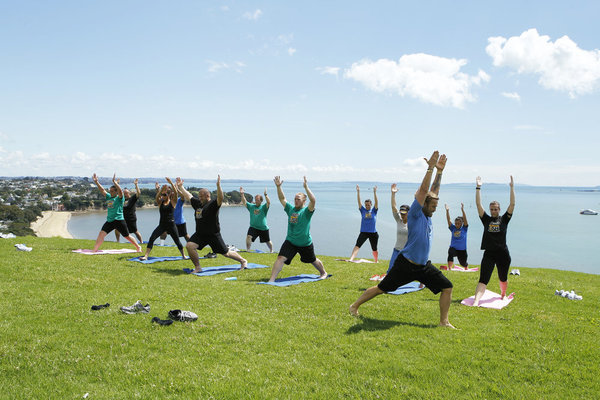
258, 341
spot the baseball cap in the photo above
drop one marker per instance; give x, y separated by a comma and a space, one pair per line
404, 209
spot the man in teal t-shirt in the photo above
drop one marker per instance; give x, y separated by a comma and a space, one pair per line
258, 220
114, 217
298, 238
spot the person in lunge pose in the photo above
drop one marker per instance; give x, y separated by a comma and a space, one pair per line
208, 229
165, 199
412, 263
129, 211
258, 220
114, 216
298, 239
458, 243
401, 218
368, 230
493, 242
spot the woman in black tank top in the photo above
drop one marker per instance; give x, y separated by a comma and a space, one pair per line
166, 198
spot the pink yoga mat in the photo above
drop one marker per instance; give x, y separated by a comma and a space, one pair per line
489, 300
362, 260
110, 251
461, 269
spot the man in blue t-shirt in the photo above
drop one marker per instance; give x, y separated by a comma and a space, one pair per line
367, 225
412, 263
458, 243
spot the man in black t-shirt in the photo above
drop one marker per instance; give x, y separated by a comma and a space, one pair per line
493, 242
208, 230
129, 211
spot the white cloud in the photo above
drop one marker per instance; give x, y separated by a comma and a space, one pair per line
291, 51
511, 95
560, 65
414, 162
285, 39
214, 66
431, 79
328, 70
252, 15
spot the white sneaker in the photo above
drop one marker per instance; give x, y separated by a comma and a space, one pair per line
136, 308
22, 247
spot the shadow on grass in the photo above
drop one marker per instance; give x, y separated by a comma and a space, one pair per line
170, 271
372, 324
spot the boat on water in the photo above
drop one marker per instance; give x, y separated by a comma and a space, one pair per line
587, 211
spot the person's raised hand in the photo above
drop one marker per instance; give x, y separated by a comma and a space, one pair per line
433, 159
394, 188
478, 181
441, 164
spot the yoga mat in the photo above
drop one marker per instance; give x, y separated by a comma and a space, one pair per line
152, 260
408, 288
209, 271
461, 269
489, 300
159, 245
294, 280
362, 260
251, 251
110, 251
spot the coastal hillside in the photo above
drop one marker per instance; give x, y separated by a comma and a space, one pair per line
259, 341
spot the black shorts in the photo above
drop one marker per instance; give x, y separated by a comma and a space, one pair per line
373, 239
289, 251
501, 259
403, 272
117, 224
131, 225
263, 235
182, 230
214, 240
460, 254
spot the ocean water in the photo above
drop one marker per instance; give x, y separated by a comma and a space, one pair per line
546, 229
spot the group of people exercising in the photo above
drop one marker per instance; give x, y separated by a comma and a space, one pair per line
410, 257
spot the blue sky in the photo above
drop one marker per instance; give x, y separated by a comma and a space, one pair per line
336, 90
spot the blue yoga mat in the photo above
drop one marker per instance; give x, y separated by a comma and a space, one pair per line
252, 251
408, 288
152, 260
159, 245
208, 271
294, 280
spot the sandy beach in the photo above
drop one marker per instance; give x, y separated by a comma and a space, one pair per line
52, 223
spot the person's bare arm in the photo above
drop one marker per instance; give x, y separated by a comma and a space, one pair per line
220, 195
480, 209
278, 183
440, 165
182, 191
267, 199
243, 196
138, 192
511, 206
358, 197
464, 215
311, 197
100, 188
376, 205
448, 215
424, 188
394, 208
174, 193
116, 183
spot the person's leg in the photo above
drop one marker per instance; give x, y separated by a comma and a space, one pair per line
139, 236
270, 246
503, 265
248, 242
277, 267
155, 234
192, 249
445, 301
117, 236
174, 233
99, 240
235, 256
373, 239
133, 242
485, 273
354, 253
319, 266
163, 236
462, 258
362, 237
450, 258
366, 296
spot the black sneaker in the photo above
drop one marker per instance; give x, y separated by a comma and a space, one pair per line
163, 322
182, 316
101, 306
211, 255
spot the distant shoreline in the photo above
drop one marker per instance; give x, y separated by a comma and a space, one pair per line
51, 224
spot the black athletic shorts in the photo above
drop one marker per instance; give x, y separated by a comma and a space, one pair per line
289, 251
501, 259
117, 224
131, 225
373, 239
460, 254
182, 230
403, 272
257, 233
214, 240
